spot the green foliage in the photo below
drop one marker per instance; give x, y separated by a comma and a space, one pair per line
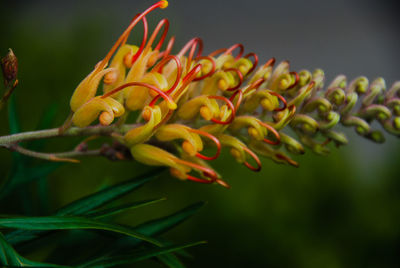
86, 221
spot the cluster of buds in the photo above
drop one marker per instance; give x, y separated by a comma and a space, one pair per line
188, 102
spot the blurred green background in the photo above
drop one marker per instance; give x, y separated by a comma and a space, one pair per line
337, 211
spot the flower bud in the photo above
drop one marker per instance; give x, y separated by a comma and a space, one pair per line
9, 66
86, 90
192, 142
89, 112
143, 133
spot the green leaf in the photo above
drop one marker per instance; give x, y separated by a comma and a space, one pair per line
45, 122
121, 208
170, 260
23, 174
105, 196
161, 225
84, 205
9, 257
155, 227
68, 223
137, 256
13, 121
158, 226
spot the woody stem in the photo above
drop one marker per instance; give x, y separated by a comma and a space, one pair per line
58, 157
73, 131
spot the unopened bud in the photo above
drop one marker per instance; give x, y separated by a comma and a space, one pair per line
9, 66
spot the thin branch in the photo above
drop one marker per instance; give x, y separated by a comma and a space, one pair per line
73, 131
57, 157
7, 95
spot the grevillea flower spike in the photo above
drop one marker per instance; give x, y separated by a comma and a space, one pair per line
189, 102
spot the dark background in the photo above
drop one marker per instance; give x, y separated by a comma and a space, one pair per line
337, 211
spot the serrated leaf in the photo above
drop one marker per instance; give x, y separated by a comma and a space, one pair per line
121, 208
137, 256
10, 258
69, 223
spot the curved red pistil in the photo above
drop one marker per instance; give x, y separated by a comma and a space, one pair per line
270, 62
163, 23
151, 87
193, 44
232, 48
240, 76
255, 62
144, 40
255, 85
240, 98
170, 44
212, 68
159, 67
296, 81
159, 4
187, 79
256, 159
229, 103
206, 171
287, 159
211, 137
218, 51
273, 130
281, 98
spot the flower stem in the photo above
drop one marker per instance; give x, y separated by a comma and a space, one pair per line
73, 131
57, 157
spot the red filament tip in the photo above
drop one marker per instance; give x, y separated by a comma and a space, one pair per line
218, 51
124, 35
240, 76
144, 40
151, 87
159, 67
232, 48
229, 103
296, 81
270, 62
240, 98
192, 45
281, 98
211, 137
170, 44
255, 62
273, 130
210, 72
163, 23
256, 159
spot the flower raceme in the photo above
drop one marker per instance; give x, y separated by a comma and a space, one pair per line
188, 102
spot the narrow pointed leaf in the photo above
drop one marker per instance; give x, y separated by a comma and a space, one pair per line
105, 196
138, 256
170, 260
84, 205
161, 225
121, 208
158, 226
68, 223
10, 258
25, 174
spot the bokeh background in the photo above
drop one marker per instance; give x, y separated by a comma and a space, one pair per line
342, 210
